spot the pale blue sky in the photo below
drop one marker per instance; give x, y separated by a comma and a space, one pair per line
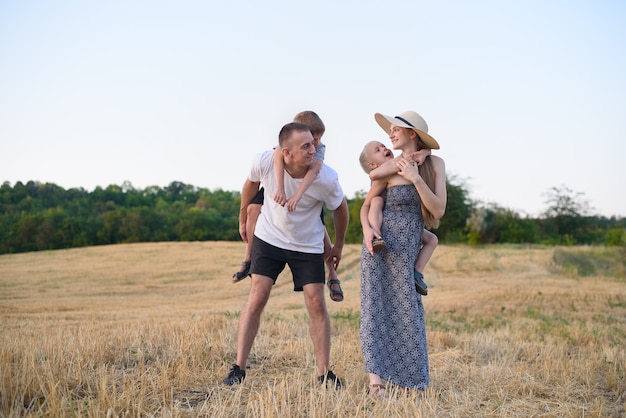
522, 96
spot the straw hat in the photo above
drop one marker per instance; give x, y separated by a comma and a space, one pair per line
411, 120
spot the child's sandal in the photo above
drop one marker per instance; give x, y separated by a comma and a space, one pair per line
378, 244
245, 272
420, 284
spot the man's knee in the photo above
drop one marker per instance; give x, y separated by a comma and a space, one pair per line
314, 298
259, 292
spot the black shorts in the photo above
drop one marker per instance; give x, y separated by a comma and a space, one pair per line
258, 198
270, 261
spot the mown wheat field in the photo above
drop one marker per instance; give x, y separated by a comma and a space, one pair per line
150, 330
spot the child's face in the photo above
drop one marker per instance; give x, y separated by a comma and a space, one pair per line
317, 140
378, 153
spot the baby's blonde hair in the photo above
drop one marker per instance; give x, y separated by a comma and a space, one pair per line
364, 159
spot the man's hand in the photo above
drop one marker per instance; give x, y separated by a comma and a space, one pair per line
243, 233
335, 255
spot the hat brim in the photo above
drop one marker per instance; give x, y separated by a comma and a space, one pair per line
385, 122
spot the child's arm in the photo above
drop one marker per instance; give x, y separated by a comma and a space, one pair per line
309, 178
420, 156
248, 191
384, 170
279, 175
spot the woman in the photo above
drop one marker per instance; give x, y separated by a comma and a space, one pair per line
393, 332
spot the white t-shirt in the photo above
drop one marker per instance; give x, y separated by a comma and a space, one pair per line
320, 152
301, 230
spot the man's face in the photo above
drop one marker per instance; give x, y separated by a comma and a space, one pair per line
301, 148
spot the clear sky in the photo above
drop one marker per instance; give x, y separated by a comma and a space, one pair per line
522, 96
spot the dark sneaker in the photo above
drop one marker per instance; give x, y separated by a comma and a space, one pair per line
420, 284
330, 378
235, 376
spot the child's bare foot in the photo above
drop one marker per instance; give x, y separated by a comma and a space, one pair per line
336, 294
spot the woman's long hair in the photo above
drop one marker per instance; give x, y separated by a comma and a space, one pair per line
427, 171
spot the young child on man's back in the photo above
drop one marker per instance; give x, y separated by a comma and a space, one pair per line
374, 155
315, 124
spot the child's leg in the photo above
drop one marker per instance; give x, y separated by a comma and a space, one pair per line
253, 210
375, 215
375, 218
336, 294
253, 215
429, 243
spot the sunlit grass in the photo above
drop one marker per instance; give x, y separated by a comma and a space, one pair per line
150, 330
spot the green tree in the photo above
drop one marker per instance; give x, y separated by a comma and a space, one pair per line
495, 224
452, 227
563, 217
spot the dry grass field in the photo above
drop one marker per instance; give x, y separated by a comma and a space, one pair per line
150, 330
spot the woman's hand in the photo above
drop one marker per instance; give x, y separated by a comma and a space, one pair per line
368, 235
408, 169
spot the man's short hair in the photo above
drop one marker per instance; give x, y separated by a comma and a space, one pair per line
288, 129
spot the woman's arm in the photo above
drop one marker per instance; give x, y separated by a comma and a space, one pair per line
434, 200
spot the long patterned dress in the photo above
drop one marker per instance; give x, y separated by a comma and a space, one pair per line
393, 331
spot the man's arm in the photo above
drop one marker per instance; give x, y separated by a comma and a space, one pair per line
309, 178
341, 218
248, 191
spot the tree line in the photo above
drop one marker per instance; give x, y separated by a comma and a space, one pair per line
44, 216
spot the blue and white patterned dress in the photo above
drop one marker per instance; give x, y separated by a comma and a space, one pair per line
393, 331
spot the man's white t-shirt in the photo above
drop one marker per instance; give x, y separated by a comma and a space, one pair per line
301, 230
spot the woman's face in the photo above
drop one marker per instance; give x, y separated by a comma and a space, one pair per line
399, 136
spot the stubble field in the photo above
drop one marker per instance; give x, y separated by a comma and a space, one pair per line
150, 330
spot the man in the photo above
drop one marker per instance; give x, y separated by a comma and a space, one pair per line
293, 238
